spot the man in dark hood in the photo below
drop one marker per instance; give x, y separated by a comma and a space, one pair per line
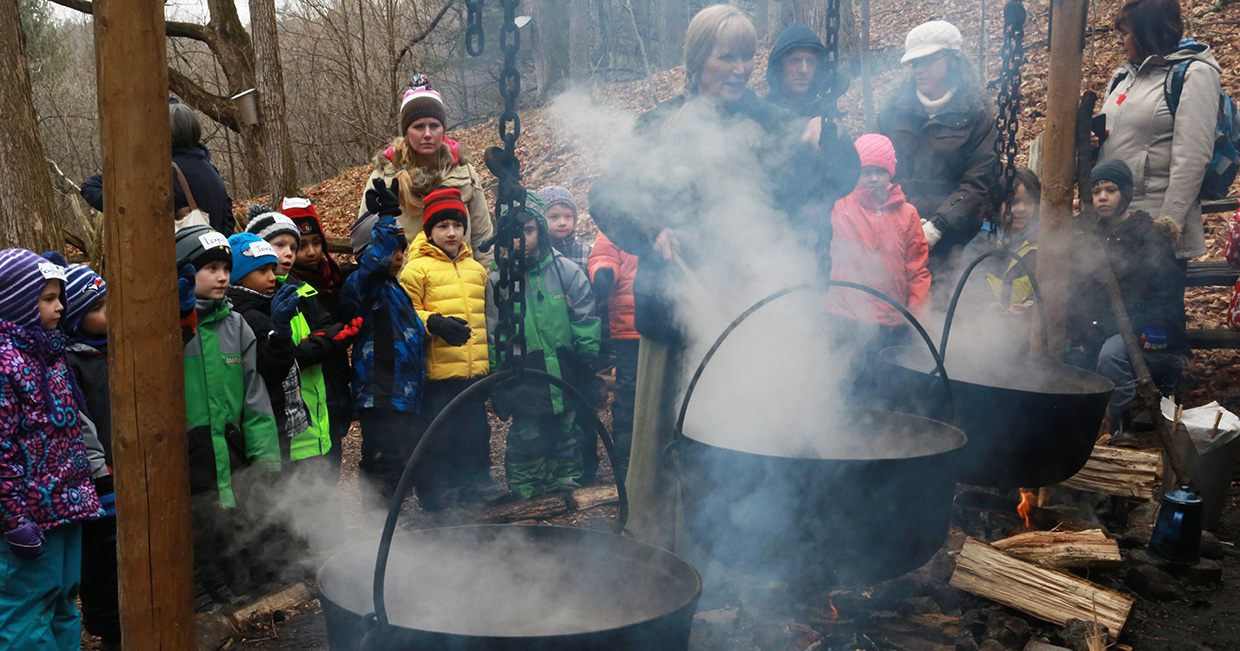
796, 71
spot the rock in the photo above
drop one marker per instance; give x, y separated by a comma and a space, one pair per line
1200, 575
920, 606
975, 621
1153, 583
965, 642
995, 645
1076, 633
1043, 646
1211, 547
1008, 630
1136, 537
1144, 515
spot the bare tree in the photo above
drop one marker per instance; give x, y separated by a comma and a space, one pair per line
551, 42
579, 40
27, 209
281, 170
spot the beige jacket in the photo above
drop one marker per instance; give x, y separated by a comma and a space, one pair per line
461, 176
1168, 156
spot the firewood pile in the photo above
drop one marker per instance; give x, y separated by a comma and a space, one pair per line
1060, 568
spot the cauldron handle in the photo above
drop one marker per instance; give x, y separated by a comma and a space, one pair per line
1033, 282
379, 616
908, 316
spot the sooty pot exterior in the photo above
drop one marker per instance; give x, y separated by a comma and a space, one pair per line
1018, 437
803, 520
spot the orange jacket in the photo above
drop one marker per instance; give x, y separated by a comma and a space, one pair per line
882, 247
620, 302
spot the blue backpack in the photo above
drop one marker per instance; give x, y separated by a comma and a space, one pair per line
1225, 160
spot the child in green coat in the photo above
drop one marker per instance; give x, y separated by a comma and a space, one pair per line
562, 334
231, 425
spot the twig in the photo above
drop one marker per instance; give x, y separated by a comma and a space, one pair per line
641, 43
1218, 418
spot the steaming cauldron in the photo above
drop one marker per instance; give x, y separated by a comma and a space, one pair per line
515, 587
508, 587
864, 506
1031, 422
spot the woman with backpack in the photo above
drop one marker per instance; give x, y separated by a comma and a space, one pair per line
1167, 141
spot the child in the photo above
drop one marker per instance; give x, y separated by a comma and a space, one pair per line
388, 358
45, 479
317, 268
85, 322
231, 425
612, 273
1019, 234
448, 288
878, 241
561, 217
562, 338
319, 340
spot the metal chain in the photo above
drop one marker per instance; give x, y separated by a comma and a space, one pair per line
831, 58
475, 37
1007, 122
509, 203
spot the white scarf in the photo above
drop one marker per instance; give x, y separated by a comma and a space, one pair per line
933, 106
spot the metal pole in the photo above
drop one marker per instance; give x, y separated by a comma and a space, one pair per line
1059, 168
145, 351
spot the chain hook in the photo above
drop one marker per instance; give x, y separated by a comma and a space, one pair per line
1007, 121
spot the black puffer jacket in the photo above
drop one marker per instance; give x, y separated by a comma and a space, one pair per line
659, 182
204, 183
1141, 252
90, 367
797, 35
946, 164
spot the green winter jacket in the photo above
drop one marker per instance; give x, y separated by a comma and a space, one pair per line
226, 404
562, 331
316, 440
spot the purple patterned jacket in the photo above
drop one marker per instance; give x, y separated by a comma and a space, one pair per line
44, 474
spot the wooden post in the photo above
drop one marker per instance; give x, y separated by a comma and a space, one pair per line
1059, 168
145, 364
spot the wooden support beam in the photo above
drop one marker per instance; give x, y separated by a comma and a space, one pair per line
1062, 549
1059, 168
1121, 472
145, 351
1035, 590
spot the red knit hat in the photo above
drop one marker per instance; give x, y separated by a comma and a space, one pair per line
877, 151
440, 204
301, 211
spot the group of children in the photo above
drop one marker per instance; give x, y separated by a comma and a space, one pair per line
284, 347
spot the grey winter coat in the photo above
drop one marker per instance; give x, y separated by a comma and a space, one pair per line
946, 164
1168, 156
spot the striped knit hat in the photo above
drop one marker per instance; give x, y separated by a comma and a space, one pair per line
83, 288
440, 204
23, 274
270, 224
421, 102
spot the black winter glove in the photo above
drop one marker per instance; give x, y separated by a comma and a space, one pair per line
382, 199
604, 278
452, 329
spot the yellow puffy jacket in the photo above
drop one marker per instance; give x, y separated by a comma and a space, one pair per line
438, 284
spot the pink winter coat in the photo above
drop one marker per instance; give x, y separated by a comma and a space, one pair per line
882, 247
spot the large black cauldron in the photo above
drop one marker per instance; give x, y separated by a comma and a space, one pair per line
507, 587
867, 498
1031, 422
512, 587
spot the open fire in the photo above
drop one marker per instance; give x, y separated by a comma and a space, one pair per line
1028, 504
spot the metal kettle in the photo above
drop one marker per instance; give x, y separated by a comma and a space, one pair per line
1177, 532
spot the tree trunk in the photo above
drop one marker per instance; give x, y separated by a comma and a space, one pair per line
551, 43
281, 169
671, 21
579, 40
27, 209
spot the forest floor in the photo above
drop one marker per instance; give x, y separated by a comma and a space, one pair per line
553, 151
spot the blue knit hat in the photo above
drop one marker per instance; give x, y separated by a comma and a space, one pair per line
83, 288
249, 252
23, 274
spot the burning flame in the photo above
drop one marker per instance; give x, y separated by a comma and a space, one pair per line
1028, 502
835, 613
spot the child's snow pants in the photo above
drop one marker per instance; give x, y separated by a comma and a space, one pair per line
38, 598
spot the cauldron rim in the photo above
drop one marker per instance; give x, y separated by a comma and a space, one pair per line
695, 576
946, 428
898, 356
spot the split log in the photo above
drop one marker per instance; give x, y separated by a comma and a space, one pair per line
1121, 472
1062, 549
212, 630
592, 496
535, 508
1035, 590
